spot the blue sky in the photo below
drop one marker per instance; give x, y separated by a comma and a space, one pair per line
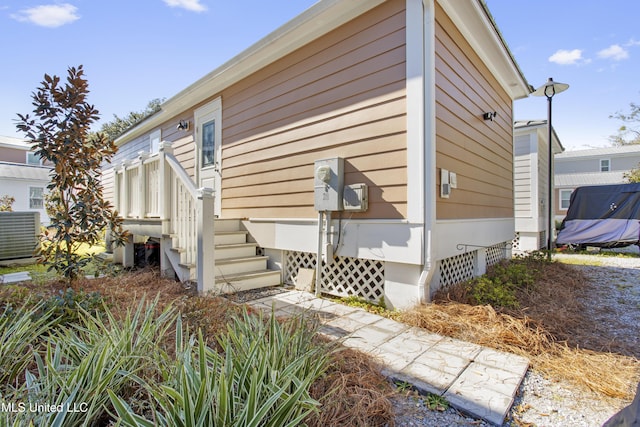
135, 51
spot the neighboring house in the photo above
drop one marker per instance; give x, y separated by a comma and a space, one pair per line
531, 183
596, 166
402, 92
22, 176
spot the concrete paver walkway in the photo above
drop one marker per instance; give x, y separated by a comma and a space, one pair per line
474, 379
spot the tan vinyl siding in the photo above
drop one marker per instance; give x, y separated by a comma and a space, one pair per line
341, 95
479, 152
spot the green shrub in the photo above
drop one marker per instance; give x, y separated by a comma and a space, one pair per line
500, 285
67, 306
494, 292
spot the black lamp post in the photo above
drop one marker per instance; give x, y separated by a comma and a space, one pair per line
549, 89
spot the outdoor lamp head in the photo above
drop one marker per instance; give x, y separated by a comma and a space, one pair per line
550, 88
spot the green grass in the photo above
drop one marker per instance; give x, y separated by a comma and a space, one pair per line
39, 272
31, 268
580, 261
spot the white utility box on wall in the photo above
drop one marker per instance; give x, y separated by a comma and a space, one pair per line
356, 198
328, 181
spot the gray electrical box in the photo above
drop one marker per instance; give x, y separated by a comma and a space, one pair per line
356, 198
328, 182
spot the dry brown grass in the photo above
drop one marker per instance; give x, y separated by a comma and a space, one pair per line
352, 393
552, 328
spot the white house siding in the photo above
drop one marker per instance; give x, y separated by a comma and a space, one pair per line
16, 181
525, 162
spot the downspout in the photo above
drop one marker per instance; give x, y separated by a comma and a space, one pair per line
429, 151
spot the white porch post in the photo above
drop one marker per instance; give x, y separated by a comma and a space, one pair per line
125, 193
205, 225
143, 189
118, 171
164, 185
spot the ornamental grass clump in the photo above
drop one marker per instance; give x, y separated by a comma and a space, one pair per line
83, 361
20, 331
261, 377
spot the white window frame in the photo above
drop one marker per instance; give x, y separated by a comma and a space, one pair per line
562, 199
607, 162
154, 141
32, 199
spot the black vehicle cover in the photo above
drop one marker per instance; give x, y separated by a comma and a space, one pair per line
602, 215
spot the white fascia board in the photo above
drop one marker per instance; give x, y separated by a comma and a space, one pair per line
319, 19
478, 28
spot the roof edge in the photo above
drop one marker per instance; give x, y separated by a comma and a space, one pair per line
319, 19
477, 24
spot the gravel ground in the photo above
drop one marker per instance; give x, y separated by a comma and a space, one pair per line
544, 402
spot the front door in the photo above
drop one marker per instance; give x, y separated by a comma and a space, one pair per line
208, 135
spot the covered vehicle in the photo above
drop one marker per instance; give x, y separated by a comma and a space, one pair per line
602, 215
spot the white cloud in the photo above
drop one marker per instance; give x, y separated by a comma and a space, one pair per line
191, 5
615, 52
51, 15
566, 57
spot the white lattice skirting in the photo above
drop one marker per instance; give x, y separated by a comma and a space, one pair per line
463, 267
458, 268
346, 276
496, 253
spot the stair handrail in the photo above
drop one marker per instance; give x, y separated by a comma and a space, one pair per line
198, 234
186, 212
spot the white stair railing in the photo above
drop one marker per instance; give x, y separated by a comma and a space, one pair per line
157, 186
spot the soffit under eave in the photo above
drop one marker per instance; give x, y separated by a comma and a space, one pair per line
474, 21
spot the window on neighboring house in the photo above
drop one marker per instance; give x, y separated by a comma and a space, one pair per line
36, 198
605, 165
33, 158
565, 198
155, 141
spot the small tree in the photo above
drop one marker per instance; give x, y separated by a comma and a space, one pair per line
60, 133
633, 175
120, 125
6, 203
629, 131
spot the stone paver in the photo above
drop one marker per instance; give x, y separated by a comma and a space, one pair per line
478, 380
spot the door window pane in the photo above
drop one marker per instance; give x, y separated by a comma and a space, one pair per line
208, 143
